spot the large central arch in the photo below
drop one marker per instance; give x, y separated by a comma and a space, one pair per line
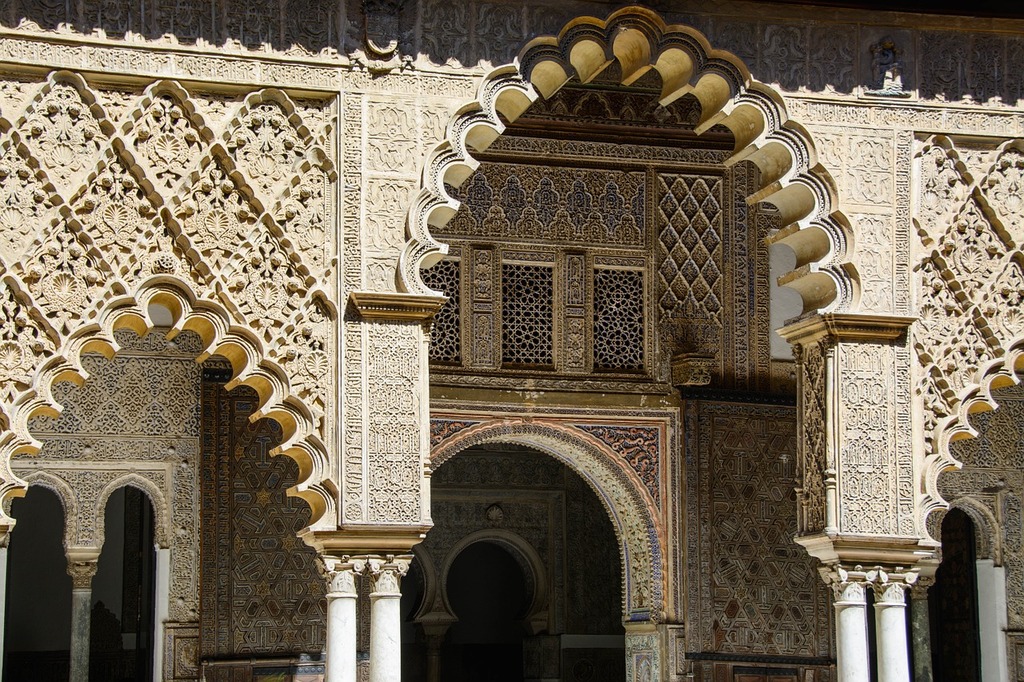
793, 185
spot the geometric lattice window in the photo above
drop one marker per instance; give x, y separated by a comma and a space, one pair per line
527, 295
445, 343
618, 319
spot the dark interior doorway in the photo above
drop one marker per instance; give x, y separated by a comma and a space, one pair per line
953, 604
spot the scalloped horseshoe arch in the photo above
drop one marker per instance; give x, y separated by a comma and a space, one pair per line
641, 545
220, 336
793, 184
997, 373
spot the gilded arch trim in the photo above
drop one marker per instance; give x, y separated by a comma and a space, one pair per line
792, 182
623, 495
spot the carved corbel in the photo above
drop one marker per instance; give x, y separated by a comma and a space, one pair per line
692, 369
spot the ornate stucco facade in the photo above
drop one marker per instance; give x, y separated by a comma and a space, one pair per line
738, 277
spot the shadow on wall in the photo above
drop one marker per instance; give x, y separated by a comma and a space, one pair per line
799, 53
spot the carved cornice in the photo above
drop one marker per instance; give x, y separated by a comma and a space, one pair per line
847, 328
893, 553
367, 539
373, 305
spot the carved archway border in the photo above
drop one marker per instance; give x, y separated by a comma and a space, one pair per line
641, 541
214, 325
68, 502
161, 510
988, 543
793, 184
993, 375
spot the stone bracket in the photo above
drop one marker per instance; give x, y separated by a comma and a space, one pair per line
389, 306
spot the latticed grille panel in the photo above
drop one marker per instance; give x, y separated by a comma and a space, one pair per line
527, 321
445, 343
618, 319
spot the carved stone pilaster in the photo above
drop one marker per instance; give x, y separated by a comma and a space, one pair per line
857, 476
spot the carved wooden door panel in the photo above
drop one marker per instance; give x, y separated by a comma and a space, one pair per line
261, 593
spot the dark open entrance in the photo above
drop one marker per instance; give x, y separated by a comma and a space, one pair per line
953, 604
525, 580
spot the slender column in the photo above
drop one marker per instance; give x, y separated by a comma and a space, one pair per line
386, 618
890, 628
161, 607
3, 595
341, 620
852, 663
920, 631
992, 620
82, 564
435, 631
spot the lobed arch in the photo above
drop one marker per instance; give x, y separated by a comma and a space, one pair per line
977, 397
993, 358
220, 335
794, 186
622, 494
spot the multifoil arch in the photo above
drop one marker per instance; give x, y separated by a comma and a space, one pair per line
794, 186
220, 335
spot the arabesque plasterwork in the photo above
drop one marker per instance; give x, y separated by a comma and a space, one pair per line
210, 162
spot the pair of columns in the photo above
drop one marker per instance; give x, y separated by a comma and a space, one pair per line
850, 589
385, 574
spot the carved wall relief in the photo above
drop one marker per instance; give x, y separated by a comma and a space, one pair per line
663, 242
969, 273
741, 511
228, 196
262, 590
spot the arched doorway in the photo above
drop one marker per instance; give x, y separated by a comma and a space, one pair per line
37, 618
522, 572
121, 632
121, 602
488, 594
953, 604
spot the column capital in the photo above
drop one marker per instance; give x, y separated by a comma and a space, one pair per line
919, 590
340, 573
386, 573
890, 587
82, 565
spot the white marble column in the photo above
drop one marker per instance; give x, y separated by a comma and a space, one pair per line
852, 663
386, 618
82, 564
341, 621
992, 619
891, 631
161, 607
